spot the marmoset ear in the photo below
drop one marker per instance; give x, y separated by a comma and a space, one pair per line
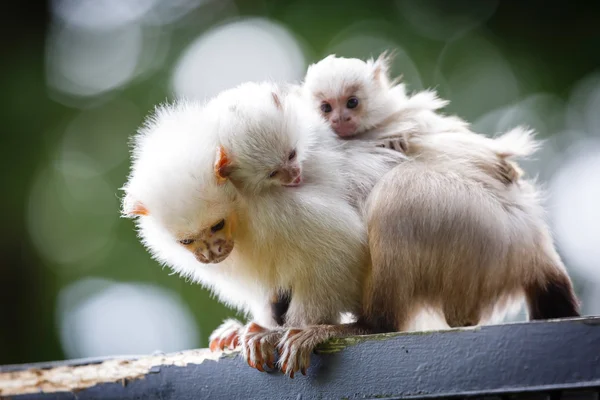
223, 166
381, 66
133, 208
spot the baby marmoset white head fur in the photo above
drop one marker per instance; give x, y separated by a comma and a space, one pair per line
264, 147
352, 95
359, 99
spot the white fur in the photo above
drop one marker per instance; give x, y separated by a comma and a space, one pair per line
332, 75
390, 113
310, 238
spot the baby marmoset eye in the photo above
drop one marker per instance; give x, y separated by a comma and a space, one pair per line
326, 107
291, 156
352, 102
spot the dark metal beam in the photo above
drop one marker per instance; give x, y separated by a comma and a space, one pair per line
494, 360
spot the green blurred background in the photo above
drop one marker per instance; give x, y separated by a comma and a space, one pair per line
78, 77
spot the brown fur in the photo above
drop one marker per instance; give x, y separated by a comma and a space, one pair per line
441, 236
447, 235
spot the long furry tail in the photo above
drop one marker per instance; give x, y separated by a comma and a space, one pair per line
519, 142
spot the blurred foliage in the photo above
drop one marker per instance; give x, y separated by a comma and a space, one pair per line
549, 46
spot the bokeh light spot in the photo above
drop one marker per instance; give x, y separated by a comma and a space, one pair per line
445, 20
87, 63
72, 212
476, 77
253, 49
575, 195
101, 134
98, 317
366, 45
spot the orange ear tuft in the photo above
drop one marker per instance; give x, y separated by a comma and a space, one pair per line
138, 209
222, 166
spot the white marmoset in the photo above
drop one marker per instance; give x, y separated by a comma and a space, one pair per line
243, 195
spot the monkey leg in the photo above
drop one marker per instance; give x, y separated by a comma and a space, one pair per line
388, 302
259, 342
381, 313
552, 296
297, 345
259, 345
226, 335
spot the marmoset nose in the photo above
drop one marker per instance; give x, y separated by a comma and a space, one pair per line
335, 117
218, 246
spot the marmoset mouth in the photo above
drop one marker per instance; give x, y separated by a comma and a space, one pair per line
215, 260
224, 252
295, 182
345, 130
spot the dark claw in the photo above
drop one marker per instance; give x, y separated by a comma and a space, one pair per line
270, 361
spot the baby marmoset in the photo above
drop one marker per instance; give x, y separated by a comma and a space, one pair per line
360, 101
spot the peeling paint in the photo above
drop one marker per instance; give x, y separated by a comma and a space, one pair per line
75, 378
487, 359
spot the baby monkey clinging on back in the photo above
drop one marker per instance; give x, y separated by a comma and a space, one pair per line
360, 101
354, 96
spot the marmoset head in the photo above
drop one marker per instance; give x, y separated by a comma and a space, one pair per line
351, 94
262, 143
183, 213
192, 163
